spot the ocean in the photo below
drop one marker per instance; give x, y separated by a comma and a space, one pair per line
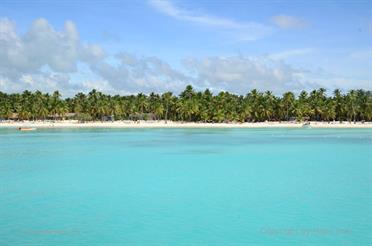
266, 186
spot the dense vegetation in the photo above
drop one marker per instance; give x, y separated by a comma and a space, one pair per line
356, 105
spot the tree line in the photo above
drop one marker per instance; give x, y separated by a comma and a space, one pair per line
191, 105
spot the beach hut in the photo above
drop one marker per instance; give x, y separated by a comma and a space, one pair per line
70, 116
142, 116
14, 116
108, 118
67, 116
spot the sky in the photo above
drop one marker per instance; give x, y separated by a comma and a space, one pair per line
125, 47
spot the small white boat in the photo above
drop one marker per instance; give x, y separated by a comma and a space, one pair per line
26, 129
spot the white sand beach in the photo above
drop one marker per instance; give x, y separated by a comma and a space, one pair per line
172, 124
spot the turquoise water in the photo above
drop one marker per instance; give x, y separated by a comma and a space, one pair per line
186, 187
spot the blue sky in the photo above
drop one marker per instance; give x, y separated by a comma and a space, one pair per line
159, 45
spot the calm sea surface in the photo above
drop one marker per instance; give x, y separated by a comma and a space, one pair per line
186, 187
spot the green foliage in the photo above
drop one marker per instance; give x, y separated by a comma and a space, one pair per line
83, 117
190, 105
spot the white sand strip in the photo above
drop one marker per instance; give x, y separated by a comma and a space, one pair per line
170, 124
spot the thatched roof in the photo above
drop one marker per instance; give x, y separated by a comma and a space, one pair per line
142, 116
68, 115
14, 116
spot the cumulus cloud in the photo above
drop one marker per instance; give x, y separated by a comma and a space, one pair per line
241, 30
42, 58
238, 74
241, 74
144, 74
344, 83
288, 22
46, 59
42, 46
42, 81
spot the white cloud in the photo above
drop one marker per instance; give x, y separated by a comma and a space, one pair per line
287, 22
344, 83
45, 59
241, 30
43, 81
241, 74
141, 74
42, 58
42, 45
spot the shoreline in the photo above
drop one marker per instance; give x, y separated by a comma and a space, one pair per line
172, 124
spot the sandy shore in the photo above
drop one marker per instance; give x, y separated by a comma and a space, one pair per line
170, 124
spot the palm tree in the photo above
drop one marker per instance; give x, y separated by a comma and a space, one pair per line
339, 104
158, 110
246, 111
329, 112
288, 104
193, 106
254, 98
268, 105
219, 115
188, 93
167, 99
142, 102
351, 105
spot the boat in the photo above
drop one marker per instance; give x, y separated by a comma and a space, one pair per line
26, 129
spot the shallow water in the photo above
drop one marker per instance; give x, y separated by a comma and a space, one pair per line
186, 187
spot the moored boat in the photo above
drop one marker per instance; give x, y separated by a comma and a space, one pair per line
26, 129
